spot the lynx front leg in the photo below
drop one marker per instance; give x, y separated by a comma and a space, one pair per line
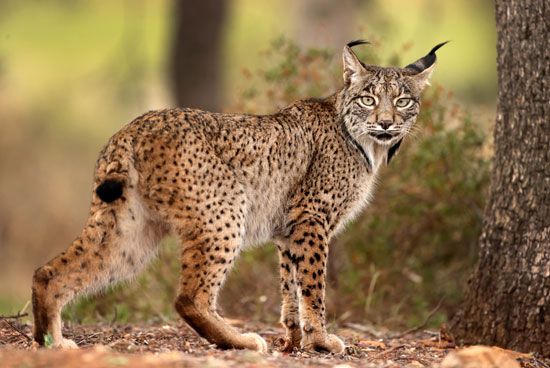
308, 252
290, 314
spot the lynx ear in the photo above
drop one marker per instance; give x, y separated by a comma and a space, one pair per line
423, 68
353, 68
422, 79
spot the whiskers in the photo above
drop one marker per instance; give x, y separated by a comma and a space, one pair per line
359, 131
372, 131
364, 133
414, 132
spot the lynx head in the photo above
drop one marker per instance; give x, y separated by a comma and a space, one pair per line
380, 104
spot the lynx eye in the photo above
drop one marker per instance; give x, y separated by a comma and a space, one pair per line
367, 101
403, 102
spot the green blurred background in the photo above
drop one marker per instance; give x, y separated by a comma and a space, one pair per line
73, 72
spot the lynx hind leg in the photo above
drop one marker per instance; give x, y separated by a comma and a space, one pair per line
211, 234
117, 242
205, 264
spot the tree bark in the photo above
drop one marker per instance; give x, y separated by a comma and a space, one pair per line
196, 58
508, 299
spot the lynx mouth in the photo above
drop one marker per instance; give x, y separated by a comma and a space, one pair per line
383, 136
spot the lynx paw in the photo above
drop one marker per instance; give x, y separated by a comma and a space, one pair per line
291, 340
255, 342
323, 343
65, 344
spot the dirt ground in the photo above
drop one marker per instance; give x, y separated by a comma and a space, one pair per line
175, 345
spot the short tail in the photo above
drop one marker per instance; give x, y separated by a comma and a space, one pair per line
113, 173
110, 190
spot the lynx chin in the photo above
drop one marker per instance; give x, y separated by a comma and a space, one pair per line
222, 182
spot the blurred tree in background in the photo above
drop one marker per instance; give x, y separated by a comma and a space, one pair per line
196, 54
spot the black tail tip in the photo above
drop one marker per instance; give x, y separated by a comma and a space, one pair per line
110, 190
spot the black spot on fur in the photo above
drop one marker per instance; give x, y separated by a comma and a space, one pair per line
110, 190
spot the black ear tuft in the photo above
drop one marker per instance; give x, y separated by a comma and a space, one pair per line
357, 42
427, 61
110, 190
437, 47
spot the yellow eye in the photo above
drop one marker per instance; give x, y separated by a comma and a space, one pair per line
403, 102
368, 101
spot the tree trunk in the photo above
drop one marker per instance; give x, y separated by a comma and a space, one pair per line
508, 299
196, 53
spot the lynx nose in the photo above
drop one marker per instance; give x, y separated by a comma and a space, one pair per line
385, 124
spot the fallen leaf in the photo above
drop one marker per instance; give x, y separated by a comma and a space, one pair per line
482, 357
371, 343
439, 344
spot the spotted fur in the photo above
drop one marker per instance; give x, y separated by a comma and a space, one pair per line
222, 182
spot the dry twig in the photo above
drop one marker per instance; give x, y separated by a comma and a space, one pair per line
420, 326
14, 327
364, 328
15, 316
